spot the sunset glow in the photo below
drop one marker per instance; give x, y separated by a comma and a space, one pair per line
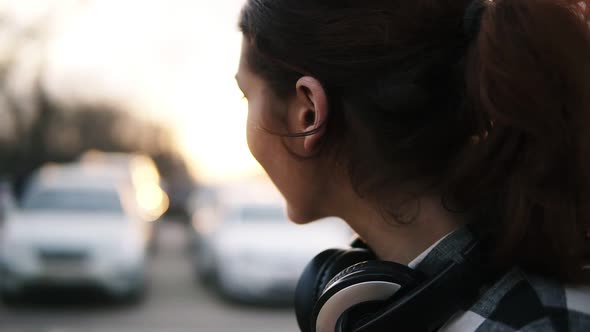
157, 57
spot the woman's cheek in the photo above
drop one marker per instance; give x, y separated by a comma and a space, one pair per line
251, 132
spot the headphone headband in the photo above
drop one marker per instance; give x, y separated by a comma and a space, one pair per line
431, 304
351, 291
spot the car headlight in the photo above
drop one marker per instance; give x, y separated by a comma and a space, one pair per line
15, 256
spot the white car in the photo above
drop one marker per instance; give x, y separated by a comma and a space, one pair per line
248, 248
71, 233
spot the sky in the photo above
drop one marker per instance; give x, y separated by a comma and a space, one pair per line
172, 60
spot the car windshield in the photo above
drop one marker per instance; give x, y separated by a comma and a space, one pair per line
258, 213
74, 200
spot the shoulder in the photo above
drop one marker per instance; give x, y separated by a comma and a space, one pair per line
523, 302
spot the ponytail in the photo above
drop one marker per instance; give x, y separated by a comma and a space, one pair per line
528, 81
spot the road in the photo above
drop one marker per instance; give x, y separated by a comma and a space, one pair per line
175, 303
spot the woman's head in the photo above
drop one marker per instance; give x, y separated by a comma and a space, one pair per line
381, 71
404, 98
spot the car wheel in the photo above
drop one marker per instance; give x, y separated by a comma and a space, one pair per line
136, 297
205, 276
205, 271
133, 296
225, 289
10, 298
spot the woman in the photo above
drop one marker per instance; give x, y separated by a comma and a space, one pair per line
432, 128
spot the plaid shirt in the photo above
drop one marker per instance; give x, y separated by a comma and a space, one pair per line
517, 301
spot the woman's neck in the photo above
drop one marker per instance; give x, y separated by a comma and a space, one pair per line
397, 242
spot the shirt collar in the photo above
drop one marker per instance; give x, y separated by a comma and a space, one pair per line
448, 248
414, 263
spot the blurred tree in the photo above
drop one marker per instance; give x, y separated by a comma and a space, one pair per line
36, 127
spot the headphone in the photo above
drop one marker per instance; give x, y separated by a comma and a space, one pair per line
351, 290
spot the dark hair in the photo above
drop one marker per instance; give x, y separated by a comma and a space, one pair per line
498, 121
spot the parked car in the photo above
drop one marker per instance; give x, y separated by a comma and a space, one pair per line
247, 248
138, 172
72, 231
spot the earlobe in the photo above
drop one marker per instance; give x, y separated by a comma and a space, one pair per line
313, 112
312, 141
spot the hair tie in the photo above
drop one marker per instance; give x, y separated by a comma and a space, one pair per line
472, 18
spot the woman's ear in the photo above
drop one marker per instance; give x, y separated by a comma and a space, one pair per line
309, 113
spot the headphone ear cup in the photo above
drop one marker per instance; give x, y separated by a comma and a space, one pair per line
362, 283
317, 274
